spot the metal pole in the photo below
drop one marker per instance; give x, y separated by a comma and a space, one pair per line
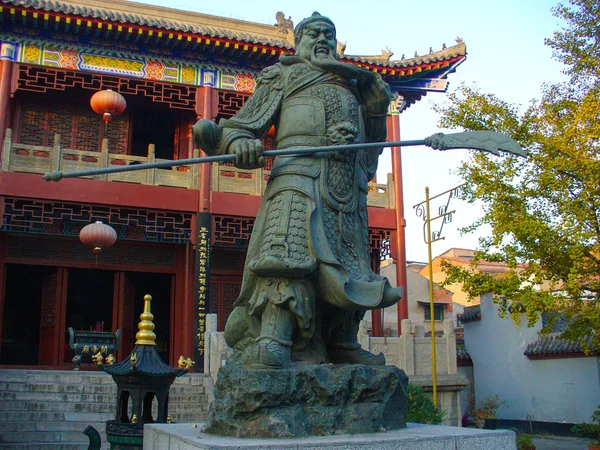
487, 141
57, 175
431, 304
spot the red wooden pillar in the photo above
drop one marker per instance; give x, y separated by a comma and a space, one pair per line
398, 240
198, 287
207, 108
2, 270
377, 322
7, 56
123, 312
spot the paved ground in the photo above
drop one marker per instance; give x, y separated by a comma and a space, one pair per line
559, 443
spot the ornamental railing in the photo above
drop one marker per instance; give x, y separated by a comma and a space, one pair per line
226, 178
38, 159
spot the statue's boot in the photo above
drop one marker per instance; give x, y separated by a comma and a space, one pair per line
354, 354
273, 347
344, 347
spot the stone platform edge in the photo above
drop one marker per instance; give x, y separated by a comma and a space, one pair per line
189, 436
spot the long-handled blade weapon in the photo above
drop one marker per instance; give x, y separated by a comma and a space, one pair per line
487, 141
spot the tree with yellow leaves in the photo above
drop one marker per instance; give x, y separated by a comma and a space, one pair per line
544, 210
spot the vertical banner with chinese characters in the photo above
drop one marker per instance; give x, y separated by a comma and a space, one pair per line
202, 286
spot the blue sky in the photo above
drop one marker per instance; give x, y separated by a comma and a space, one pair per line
506, 56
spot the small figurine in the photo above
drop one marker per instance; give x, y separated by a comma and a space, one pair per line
181, 362
169, 420
110, 359
134, 418
98, 358
189, 364
133, 359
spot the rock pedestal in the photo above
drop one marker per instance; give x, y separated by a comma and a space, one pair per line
308, 400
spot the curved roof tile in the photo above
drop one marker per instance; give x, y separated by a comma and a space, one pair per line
150, 21
269, 37
554, 346
471, 314
459, 49
149, 363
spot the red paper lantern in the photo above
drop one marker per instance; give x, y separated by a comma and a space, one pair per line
108, 103
98, 235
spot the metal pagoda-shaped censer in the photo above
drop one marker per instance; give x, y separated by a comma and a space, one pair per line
142, 377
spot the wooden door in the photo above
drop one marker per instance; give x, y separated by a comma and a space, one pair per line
224, 291
124, 312
52, 322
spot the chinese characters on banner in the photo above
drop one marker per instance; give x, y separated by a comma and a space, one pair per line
203, 237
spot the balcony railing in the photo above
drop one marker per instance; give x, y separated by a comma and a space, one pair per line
40, 159
253, 182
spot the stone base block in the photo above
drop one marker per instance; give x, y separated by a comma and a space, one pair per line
188, 436
308, 400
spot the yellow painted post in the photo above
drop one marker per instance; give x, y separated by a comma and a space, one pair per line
431, 304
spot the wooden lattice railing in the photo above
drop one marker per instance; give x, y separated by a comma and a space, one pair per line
253, 182
40, 159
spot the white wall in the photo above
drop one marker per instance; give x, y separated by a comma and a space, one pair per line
468, 392
554, 390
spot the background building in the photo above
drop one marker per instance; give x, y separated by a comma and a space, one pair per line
548, 383
417, 288
182, 232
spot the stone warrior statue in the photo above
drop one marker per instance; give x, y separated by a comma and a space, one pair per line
308, 279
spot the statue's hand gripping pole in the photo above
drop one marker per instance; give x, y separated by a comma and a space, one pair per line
487, 141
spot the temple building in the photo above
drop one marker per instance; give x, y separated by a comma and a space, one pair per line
182, 233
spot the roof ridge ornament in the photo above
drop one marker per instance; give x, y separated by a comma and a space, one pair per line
284, 25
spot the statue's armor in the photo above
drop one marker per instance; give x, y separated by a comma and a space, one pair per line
332, 108
310, 243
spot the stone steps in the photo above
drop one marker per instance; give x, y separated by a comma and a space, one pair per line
58, 406
51, 446
45, 436
71, 397
54, 376
22, 386
51, 409
18, 427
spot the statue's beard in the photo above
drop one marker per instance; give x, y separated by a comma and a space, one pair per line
322, 53
326, 61
331, 63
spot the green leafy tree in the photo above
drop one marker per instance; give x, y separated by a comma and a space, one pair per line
543, 210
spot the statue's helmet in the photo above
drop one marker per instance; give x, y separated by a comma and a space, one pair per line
315, 17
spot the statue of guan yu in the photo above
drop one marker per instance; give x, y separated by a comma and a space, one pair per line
308, 278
